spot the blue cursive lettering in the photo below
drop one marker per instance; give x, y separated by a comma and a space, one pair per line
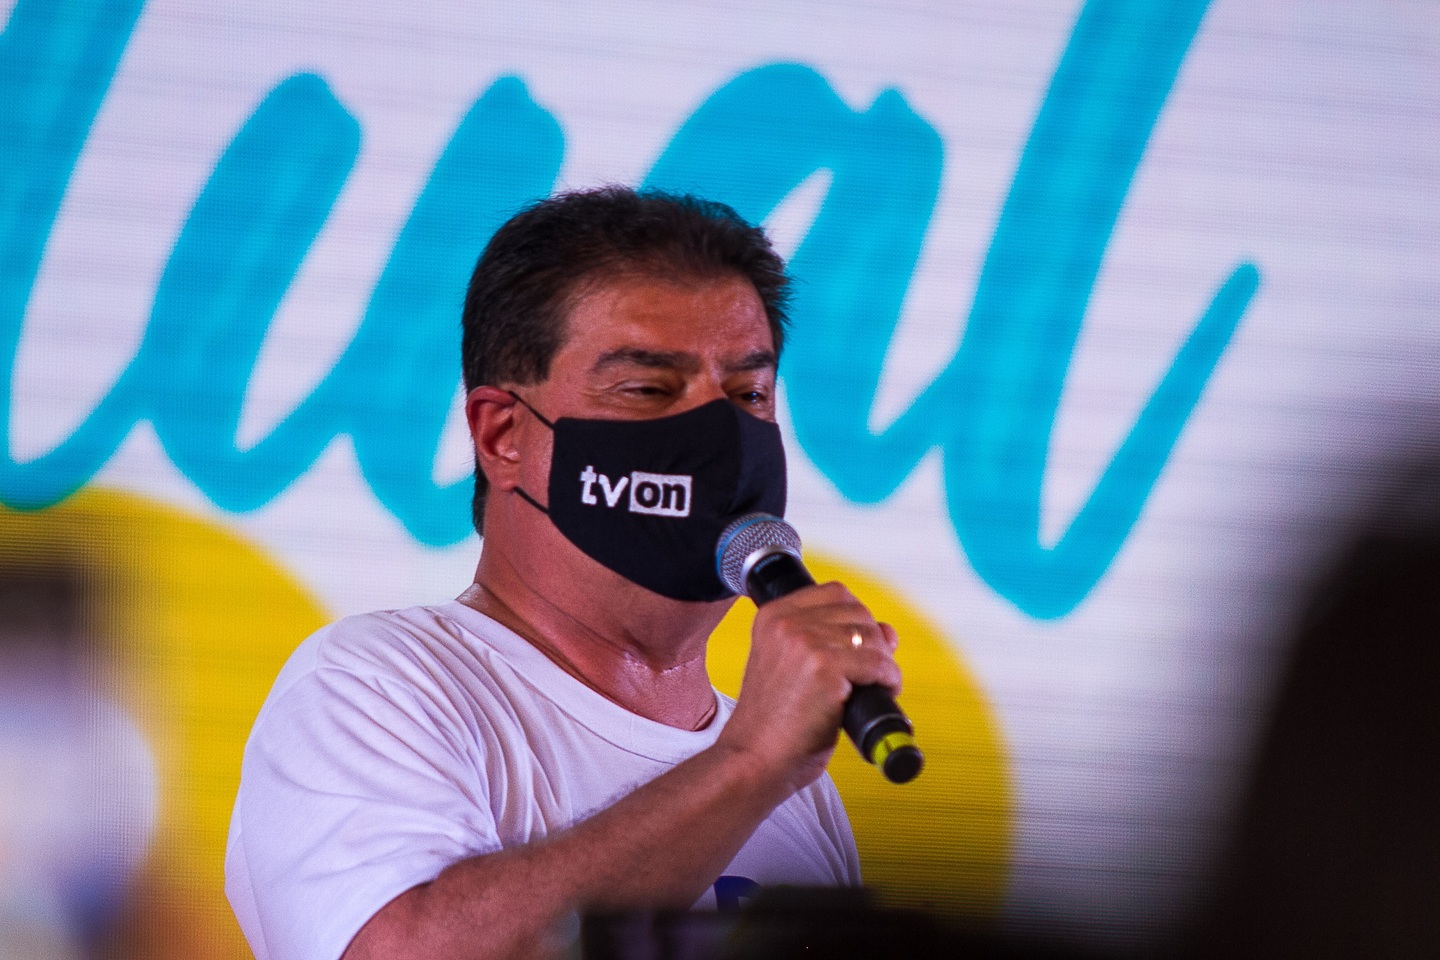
990, 412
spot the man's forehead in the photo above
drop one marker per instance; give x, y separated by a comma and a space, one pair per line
669, 322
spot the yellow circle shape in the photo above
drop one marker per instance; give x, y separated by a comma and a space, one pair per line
942, 841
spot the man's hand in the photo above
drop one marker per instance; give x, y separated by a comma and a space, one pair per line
804, 662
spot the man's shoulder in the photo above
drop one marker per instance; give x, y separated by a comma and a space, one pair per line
375, 634
412, 641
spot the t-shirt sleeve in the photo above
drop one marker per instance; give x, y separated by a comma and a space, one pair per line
352, 792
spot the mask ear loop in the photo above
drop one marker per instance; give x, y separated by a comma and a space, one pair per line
531, 500
538, 415
542, 418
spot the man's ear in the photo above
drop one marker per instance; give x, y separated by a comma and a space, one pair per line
490, 411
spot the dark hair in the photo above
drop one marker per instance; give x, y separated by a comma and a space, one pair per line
547, 256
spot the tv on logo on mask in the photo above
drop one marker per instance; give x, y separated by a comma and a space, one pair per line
659, 494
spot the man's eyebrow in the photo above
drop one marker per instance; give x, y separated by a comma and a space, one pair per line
656, 359
758, 360
678, 360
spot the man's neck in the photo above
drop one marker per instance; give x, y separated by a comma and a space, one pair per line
645, 653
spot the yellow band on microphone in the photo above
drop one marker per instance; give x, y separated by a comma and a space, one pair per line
888, 744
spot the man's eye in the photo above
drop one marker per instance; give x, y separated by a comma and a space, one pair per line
646, 390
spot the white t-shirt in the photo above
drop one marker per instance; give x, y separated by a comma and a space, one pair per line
394, 744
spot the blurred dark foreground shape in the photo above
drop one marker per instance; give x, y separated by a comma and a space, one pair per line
1337, 850
795, 923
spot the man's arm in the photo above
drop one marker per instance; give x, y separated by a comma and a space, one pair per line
663, 844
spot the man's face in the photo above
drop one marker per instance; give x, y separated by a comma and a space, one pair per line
638, 348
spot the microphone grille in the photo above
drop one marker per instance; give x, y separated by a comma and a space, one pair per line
743, 537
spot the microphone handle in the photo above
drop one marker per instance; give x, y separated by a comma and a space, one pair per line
872, 720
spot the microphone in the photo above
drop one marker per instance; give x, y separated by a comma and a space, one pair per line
759, 555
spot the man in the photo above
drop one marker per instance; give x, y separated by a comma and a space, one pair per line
450, 781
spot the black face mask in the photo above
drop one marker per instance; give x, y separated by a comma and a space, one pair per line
649, 498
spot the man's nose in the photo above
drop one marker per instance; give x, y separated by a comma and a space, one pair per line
703, 390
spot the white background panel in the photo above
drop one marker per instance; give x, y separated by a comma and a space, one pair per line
1299, 136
